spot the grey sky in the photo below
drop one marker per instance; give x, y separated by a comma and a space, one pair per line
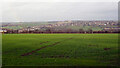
44, 11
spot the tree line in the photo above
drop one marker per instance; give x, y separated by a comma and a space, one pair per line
51, 30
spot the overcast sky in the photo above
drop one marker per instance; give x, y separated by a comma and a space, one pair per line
45, 11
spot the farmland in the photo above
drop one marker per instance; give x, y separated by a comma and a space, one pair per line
60, 49
62, 27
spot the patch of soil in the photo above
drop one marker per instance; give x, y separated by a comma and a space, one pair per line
107, 48
61, 56
55, 43
70, 38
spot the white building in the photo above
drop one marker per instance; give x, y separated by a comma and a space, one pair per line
1, 31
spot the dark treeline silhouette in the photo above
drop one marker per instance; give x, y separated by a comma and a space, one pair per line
51, 30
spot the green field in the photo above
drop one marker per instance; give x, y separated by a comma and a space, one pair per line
60, 49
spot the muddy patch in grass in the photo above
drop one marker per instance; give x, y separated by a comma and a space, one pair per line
70, 38
107, 49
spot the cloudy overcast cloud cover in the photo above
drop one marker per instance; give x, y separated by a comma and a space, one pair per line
49, 11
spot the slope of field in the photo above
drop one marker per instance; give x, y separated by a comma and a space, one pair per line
60, 49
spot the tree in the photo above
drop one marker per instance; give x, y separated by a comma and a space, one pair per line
81, 30
90, 30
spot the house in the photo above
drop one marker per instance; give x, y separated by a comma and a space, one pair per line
3, 31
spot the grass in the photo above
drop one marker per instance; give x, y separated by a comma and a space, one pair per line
72, 49
13, 27
85, 28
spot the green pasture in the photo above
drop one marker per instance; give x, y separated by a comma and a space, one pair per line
60, 50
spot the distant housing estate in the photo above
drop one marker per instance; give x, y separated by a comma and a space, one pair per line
62, 27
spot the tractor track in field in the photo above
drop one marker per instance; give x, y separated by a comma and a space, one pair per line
29, 53
18, 49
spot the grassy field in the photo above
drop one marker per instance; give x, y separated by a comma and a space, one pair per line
60, 49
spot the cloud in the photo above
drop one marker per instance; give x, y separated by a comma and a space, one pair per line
44, 11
